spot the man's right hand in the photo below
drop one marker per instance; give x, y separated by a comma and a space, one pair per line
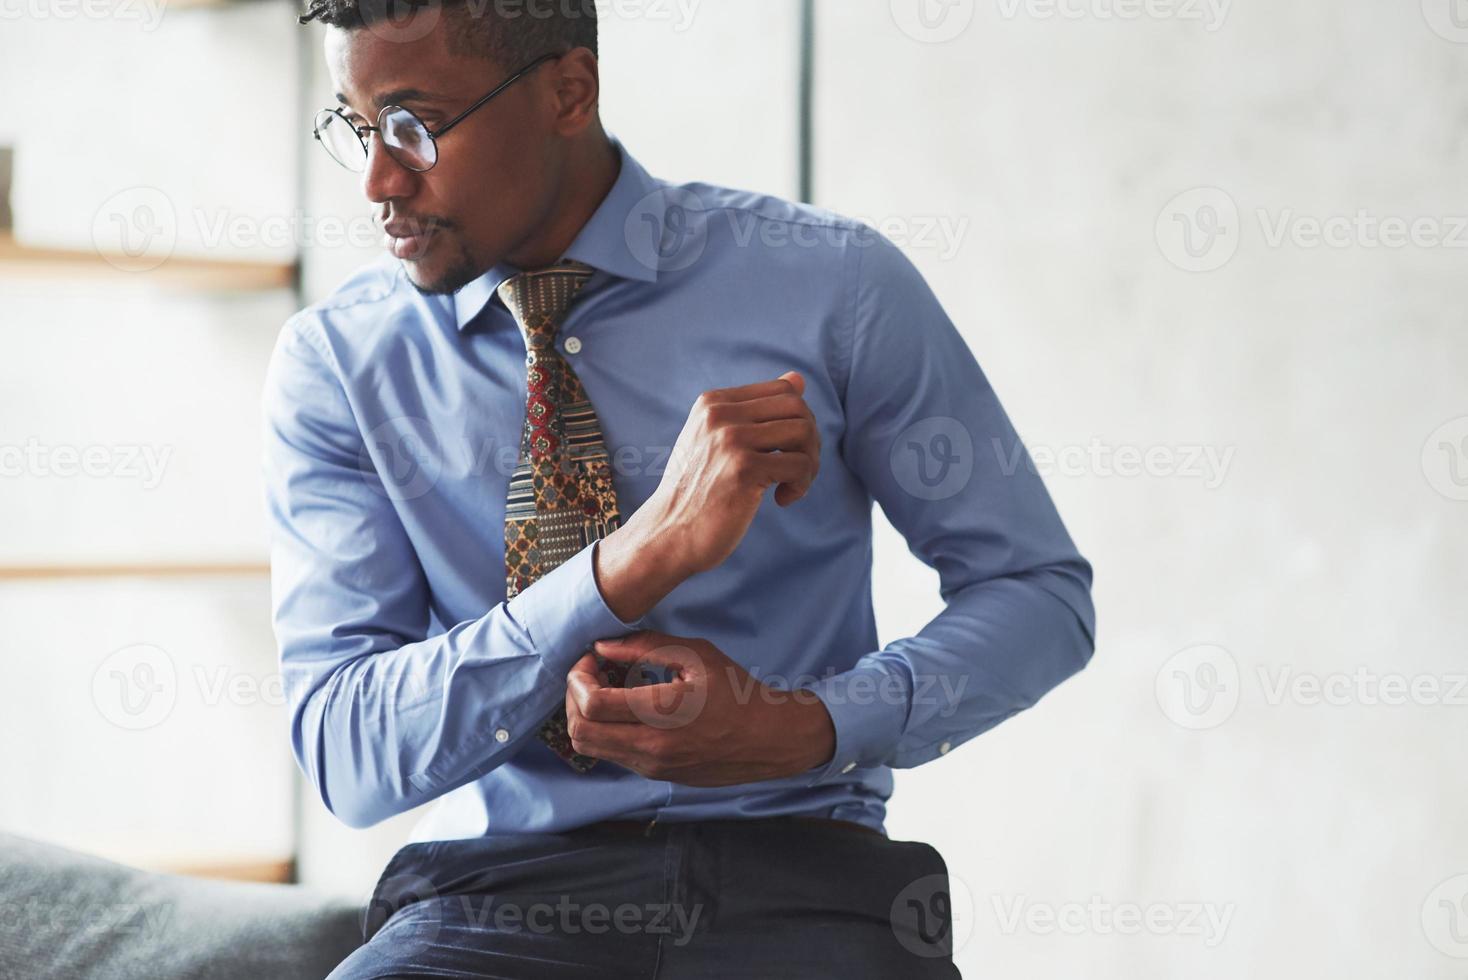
735, 445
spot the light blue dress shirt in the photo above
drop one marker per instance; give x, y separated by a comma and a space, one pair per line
392, 423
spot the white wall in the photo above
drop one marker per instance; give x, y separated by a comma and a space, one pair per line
1029, 164
138, 714
1056, 145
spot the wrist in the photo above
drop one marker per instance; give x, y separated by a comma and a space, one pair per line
815, 731
635, 568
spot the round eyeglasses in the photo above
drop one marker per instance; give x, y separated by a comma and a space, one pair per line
407, 139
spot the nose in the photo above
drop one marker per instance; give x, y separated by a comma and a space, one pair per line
384, 179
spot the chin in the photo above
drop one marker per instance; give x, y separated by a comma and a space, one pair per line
437, 278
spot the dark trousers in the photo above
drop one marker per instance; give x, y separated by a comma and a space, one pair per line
763, 898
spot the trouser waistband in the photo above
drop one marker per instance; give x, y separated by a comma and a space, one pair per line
647, 828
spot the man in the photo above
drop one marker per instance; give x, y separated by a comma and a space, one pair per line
571, 506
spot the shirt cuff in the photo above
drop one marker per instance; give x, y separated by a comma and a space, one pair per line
565, 613
869, 707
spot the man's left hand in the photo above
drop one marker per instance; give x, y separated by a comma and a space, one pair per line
711, 724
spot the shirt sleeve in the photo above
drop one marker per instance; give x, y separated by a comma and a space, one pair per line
927, 436
383, 716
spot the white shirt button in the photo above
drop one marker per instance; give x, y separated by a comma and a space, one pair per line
501, 735
943, 749
848, 767
573, 345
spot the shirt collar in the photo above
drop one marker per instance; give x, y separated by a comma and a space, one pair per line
603, 242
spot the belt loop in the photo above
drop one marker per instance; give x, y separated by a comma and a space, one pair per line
650, 824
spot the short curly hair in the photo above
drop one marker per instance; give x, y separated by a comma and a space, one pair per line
509, 32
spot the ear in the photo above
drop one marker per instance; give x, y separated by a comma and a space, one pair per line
577, 82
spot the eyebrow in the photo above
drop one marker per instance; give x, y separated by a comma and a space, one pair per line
399, 96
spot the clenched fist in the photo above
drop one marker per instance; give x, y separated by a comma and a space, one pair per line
736, 444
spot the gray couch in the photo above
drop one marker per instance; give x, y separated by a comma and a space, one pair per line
77, 917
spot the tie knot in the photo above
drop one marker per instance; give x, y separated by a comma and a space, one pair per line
539, 300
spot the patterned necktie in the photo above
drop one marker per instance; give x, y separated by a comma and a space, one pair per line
561, 496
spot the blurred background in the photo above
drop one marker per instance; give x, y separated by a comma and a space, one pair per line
1211, 254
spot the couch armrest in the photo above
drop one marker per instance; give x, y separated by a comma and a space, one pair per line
69, 915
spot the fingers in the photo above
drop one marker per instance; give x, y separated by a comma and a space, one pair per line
645, 705
789, 435
767, 409
791, 469
653, 649
789, 382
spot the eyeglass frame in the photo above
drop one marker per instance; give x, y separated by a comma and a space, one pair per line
433, 137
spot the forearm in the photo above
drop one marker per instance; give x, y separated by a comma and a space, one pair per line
995, 650
638, 564
381, 727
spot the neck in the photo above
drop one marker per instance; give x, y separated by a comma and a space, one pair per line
590, 172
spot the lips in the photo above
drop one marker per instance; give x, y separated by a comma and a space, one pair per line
409, 238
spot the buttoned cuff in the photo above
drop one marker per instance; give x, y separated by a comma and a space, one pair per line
565, 613
869, 705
